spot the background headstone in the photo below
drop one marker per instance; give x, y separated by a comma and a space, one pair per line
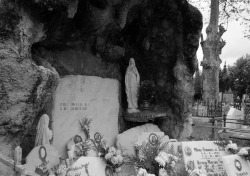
88, 166
236, 165
204, 155
33, 160
127, 140
85, 96
234, 114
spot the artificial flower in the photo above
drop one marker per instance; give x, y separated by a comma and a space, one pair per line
163, 172
108, 156
243, 151
172, 164
142, 172
231, 147
175, 158
164, 156
160, 161
120, 158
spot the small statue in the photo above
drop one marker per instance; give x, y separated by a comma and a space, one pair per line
43, 133
132, 82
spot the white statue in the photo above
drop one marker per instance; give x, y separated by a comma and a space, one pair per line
132, 82
43, 133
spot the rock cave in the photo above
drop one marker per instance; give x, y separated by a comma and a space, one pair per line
43, 41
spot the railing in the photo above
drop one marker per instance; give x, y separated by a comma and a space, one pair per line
15, 164
239, 133
207, 109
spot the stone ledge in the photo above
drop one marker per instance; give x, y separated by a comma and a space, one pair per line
145, 116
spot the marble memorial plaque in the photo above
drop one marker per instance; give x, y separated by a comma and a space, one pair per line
236, 165
92, 97
205, 155
88, 166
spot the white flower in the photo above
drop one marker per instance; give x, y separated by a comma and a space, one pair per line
114, 160
120, 159
243, 151
164, 156
118, 152
163, 172
175, 158
112, 150
151, 175
231, 146
142, 172
99, 154
172, 164
108, 156
160, 161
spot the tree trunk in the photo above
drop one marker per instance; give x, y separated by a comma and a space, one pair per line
211, 49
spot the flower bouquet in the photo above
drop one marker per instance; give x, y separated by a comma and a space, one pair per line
114, 159
229, 146
244, 152
166, 163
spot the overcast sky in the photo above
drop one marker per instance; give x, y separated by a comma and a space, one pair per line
236, 45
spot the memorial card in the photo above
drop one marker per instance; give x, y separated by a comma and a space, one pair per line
204, 155
235, 165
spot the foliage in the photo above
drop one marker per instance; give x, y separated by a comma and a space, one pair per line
82, 148
148, 153
224, 79
197, 85
85, 125
239, 75
114, 157
147, 90
229, 10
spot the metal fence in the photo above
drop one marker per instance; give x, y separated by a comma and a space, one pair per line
207, 108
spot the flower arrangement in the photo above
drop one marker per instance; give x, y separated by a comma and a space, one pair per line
147, 155
114, 158
147, 90
166, 161
85, 125
229, 146
232, 148
82, 149
245, 152
61, 170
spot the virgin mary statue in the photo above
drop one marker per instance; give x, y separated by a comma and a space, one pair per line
43, 133
132, 82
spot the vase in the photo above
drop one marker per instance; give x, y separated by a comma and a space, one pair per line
145, 104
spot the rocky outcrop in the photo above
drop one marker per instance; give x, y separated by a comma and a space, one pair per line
40, 38
24, 86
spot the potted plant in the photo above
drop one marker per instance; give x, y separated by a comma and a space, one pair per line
147, 93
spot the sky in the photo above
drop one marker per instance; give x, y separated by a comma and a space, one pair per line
236, 45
